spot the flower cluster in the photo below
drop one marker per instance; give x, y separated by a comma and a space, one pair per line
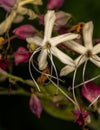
53, 49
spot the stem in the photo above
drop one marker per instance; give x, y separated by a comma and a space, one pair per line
14, 92
9, 39
15, 78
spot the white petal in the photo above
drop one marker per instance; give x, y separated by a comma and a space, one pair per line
42, 59
64, 58
62, 38
6, 24
49, 20
35, 40
96, 49
96, 60
87, 35
75, 46
68, 69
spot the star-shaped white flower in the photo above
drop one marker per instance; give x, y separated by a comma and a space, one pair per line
16, 14
88, 51
48, 44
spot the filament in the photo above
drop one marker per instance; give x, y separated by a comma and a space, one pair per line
63, 92
94, 100
92, 79
73, 82
51, 58
30, 71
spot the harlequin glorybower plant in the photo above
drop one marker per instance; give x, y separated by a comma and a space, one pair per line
53, 51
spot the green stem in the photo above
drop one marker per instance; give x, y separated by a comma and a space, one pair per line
14, 92
16, 78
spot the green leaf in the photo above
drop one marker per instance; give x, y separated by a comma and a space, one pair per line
56, 105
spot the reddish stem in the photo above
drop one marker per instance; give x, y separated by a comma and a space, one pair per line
7, 40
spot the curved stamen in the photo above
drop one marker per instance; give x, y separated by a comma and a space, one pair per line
51, 58
62, 92
48, 75
73, 82
92, 79
30, 71
94, 100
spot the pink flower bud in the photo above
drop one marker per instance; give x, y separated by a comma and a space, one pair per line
24, 31
7, 4
81, 116
35, 105
61, 19
91, 91
21, 55
52, 4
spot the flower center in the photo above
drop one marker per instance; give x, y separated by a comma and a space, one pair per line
47, 46
89, 54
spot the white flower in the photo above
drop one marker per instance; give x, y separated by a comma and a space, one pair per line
48, 44
16, 14
88, 51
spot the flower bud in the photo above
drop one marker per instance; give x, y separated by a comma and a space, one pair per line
61, 19
24, 31
35, 105
21, 55
7, 4
91, 91
53, 4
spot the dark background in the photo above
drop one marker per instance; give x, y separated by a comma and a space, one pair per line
14, 110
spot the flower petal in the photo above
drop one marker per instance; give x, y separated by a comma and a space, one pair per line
36, 40
68, 69
87, 34
96, 60
75, 46
26, 11
5, 26
96, 49
42, 59
64, 58
49, 20
62, 38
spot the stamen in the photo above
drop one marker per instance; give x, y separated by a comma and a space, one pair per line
30, 60
48, 75
94, 100
92, 79
62, 92
73, 83
74, 96
83, 76
51, 58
